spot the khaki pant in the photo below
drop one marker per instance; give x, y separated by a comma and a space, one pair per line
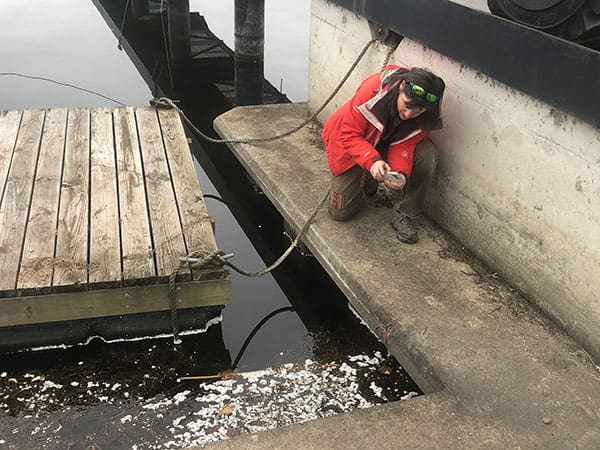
346, 193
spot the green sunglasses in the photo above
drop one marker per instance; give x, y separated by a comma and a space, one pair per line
420, 91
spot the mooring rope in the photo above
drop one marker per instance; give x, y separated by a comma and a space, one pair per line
164, 101
198, 259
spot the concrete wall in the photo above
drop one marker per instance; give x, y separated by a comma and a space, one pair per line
518, 183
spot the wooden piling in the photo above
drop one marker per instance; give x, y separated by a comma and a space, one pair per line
249, 51
179, 35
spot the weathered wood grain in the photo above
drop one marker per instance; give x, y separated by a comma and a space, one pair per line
196, 222
197, 225
164, 216
137, 257
14, 206
70, 265
37, 262
9, 127
110, 302
105, 244
91, 216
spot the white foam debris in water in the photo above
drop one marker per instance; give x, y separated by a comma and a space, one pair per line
51, 385
180, 397
377, 390
365, 360
266, 399
177, 421
411, 394
200, 412
3, 374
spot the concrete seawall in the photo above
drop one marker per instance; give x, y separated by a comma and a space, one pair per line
512, 379
518, 179
496, 372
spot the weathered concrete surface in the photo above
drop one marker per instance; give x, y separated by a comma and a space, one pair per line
518, 181
429, 422
504, 369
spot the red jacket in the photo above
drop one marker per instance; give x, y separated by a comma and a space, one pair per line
355, 128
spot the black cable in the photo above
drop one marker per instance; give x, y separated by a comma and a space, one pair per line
255, 330
225, 202
89, 91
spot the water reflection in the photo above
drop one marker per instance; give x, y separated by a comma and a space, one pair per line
65, 40
101, 385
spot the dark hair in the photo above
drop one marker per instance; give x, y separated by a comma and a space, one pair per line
430, 119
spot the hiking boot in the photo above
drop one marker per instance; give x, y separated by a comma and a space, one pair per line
406, 228
370, 185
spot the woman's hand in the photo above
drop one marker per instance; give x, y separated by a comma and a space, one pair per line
393, 184
378, 169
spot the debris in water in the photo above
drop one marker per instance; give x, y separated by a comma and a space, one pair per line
43, 412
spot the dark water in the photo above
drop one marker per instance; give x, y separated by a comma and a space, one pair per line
105, 389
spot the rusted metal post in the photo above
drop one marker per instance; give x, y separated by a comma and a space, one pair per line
249, 51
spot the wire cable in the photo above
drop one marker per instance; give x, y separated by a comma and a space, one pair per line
225, 202
60, 83
255, 330
167, 102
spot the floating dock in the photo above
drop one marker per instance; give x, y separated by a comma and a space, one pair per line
97, 207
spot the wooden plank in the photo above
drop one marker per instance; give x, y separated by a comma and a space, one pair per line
70, 264
9, 128
164, 216
110, 302
40, 239
105, 245
137, 258
197, 225
14, 206
196, 222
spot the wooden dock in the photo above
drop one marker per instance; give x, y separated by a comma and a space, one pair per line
97, 206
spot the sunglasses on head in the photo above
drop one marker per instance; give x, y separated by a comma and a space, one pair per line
421, 92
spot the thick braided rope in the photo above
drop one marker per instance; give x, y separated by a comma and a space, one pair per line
216, 257
164, 101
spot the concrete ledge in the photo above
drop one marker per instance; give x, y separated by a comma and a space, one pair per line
518, 179
453, 325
